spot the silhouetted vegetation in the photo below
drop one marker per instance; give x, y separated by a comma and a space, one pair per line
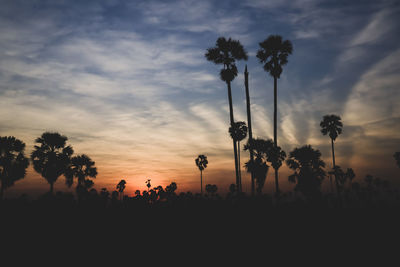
308, 171
226, 52
13, 162
201, 163
273, 54
332, 125
52, 157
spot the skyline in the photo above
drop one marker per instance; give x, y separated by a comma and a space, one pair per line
128, 84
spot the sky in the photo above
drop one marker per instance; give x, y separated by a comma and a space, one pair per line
128, 84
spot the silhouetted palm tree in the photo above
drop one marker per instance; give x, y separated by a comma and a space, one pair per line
81, 167
397, 158
259, 165
238, 132
273, 54
332, 126
51, 157
13, 162
121, 187
246, 85
308, 170
148, 184
276, 156
226, 52
201, 163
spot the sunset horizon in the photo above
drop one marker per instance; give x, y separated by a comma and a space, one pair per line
131, 86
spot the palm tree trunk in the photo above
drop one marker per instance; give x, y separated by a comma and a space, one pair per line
234, 142
246, 84
276, 182
275, 111
201, 182
334, 166
240, 172
51, 188
275, 128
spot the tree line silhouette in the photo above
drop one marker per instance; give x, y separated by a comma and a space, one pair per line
52, 157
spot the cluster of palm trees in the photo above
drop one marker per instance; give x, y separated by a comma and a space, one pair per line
51, 158
273, 54
305, 161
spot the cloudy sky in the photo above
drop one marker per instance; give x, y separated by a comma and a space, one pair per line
128, 84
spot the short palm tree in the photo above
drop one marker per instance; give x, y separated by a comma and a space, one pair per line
13, 162
226, 52
201, 163
331, 125
121, 187
51, 157
273, 53
259, 166
82, 168
308, 170
276, 156
238, 132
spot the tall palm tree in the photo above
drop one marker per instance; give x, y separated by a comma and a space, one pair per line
51, 157
276, 156
308, 170
226, 52
238, 132
273, 53
13, 162
201, 163
246, 85
121, 187
332, 126
259, 165
81, 167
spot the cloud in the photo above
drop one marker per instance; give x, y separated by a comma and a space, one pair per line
375, 96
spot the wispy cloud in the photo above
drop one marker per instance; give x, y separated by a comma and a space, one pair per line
129, 85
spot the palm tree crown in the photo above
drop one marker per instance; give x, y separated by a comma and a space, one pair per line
51, 157
276, 156
81, 167
226, 52
121, 186
274, 53
308, 169
259, 165
331, 125
13, 162
238, 131
201, 162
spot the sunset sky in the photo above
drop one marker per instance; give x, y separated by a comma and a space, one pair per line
128, 84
